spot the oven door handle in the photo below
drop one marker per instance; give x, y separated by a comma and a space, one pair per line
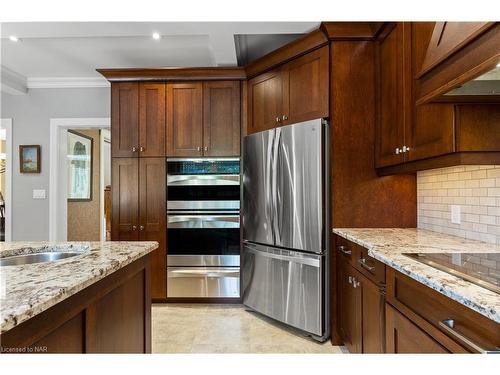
203, 221
213, 179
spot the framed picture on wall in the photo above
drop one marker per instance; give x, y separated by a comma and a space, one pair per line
79, 167
29, 157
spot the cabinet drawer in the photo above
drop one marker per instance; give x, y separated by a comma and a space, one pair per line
368, 266
442, 316
344, 248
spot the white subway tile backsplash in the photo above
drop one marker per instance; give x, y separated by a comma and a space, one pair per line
476, 188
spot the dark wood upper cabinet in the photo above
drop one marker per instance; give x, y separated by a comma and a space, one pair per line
125, 199
125, 119
151, 119
294, 92
308, 87
152, 219
184, 119
221, 118
394, 81
265, 101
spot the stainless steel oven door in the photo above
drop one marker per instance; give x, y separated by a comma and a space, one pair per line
203, 282
285, 285
203, 221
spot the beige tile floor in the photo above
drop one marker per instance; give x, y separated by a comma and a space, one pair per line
203, 328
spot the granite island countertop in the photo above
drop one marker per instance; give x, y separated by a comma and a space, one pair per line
388, 245
28, 290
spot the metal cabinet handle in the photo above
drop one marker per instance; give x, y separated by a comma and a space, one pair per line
449, 326
354, 283
362, 263
397, 151
285, 117
350, 279
134, 149
142, 149
405, 149
141, 227
206, 148
134, 227
198, 148
278, 119
343, 250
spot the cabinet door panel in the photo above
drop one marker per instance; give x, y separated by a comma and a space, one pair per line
124, 119
152, 219
221, 118
372, 316
184, 119
433, 131
308, 80
349, 309
265, 101
402, 336
394, 95
125, 199
152, 119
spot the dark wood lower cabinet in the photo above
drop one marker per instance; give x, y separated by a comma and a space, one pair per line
403, 336
110, 316
349, 309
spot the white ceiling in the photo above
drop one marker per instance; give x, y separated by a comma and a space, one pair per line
51, 52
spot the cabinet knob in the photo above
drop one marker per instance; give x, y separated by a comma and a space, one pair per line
141, 149
278, 119
134, 149
397, 151
134, 227
406, 149
350, 279
198, 148
355, 283
285, 117
141, 227
206, 148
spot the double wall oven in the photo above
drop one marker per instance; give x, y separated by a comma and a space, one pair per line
203, 227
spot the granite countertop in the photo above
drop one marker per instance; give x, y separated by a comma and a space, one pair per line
388, 244
27, 290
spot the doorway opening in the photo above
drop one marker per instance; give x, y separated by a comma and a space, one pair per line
5, 180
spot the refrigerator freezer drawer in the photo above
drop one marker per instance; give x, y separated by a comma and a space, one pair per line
284, 285
203, 282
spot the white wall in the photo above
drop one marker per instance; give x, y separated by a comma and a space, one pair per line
476, 189
31, 114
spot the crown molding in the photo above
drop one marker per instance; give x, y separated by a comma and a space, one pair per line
66, 82
12, 82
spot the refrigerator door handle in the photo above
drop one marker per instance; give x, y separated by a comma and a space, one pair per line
313, 261
268, 182
274, 187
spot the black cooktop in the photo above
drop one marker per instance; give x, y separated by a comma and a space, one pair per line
482, 269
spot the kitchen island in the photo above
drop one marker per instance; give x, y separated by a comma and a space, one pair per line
94, 299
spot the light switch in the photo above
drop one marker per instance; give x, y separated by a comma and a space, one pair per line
455, 214
39, 194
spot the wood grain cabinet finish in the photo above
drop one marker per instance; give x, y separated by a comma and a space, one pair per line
139, 206
394, 81
151, 119
125, 199
125, 119
294, 92
152, 219
184, 119
221, 118
110, 316
361, 300
265, 101
308, 87
405, 337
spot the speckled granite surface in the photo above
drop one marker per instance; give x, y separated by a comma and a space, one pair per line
27, 290
387, 245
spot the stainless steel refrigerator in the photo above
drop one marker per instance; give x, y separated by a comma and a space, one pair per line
285, 225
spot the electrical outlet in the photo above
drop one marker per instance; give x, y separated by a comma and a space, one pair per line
39, 194
455, 214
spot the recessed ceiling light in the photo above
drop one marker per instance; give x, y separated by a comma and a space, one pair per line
156, 36
498, 65
13, 38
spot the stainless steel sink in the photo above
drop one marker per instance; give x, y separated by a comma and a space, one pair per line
18, 260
